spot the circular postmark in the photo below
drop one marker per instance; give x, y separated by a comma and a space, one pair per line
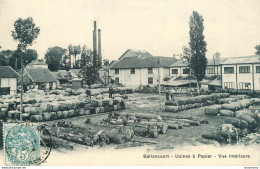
25, 144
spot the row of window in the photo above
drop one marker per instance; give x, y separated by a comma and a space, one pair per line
132, 71
242, 69
227, 70
184, 71
150, 80
242, 85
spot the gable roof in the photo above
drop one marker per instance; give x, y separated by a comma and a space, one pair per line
134, 62
63, 73
75, 71
242, 60
105, 68
56, 75
136, 53
8, 72
40, 75
37, 62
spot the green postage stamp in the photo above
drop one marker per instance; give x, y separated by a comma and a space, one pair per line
21, 144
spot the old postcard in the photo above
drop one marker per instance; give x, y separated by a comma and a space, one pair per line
130, 83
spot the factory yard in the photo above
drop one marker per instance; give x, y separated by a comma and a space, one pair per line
138, 120
190, 135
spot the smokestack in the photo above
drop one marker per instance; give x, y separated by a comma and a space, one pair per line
99, 46
95, 38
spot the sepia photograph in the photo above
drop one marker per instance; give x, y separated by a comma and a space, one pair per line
129, 83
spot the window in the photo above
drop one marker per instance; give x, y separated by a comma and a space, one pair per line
132, 70
186, 71
174, 71
150, 70
150, 80
117, 79
210, 70
244, 85
229, 85
244, 69
257, 69
117, 71
228, 70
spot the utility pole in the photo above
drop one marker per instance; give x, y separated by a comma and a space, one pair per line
21, 98
159, 80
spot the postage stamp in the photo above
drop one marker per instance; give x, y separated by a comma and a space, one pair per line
21, 144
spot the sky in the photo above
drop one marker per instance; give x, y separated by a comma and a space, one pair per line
232, 27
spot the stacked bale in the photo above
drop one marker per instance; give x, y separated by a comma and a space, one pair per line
53, 105
193, 102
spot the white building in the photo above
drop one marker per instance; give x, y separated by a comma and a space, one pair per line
37, 64
138, 68
241, 73
8, 80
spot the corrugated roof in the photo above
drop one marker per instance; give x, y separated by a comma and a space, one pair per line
40, 75
8, 72
242, 60
137, 53
134, 62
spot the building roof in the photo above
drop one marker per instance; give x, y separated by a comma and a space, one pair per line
242, 60
179, 63
37, 62
112, 63
40, 75
136, 53
106, 68
75, 71
63, 73
134, 62
217, 62
57, 76
8, 72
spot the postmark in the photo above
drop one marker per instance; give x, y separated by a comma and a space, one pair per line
21, 144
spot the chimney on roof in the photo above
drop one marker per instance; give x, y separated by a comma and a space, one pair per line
99, 47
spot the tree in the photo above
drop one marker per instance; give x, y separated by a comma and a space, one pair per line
197, 45
28, 57
89, 71
5, 56
74, 50
54, 57
65, 65
257, 47
186, 58
25, 32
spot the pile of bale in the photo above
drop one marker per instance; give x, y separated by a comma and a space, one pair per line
228, 109
194, 102
242, 120
44, 107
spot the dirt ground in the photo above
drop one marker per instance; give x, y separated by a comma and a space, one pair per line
150, 103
